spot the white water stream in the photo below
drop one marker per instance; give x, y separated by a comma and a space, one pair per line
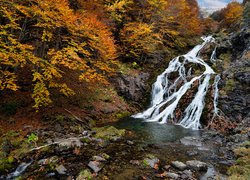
166, 94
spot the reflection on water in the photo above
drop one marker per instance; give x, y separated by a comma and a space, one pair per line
154, 132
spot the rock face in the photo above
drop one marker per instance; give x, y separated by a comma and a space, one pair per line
235, 102
132, 87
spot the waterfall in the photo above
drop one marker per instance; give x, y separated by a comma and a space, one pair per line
166, 94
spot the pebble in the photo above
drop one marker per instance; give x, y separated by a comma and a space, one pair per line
130, 142
98, 158
61, 169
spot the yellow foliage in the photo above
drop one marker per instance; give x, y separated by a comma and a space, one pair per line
232, 14
63, 39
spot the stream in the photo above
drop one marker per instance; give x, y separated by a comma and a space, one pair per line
174, 142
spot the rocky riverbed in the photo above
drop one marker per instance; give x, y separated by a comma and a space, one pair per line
112, 153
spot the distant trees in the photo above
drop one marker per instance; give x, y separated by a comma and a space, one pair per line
163, 24
230, 16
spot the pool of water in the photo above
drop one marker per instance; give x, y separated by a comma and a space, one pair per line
153, 132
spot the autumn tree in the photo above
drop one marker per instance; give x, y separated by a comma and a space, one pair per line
229, 17
47, 36
232, 14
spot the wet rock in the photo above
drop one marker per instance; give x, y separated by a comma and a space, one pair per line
49, 175
151, 161
192, 153
95, 166
71, 142
132, 87
167, 167
85, 133
191, 141
179, 165
197, 165
109, 133
98, 158
19, 170
61, 170
172, 175
85, 174
130, 142
188, 174
238, 138
211, 174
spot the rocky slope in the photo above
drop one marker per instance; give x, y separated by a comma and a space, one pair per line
234, 51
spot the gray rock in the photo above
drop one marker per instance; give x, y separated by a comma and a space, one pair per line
61, 169
70, 142
130, 142
192, 153
191, 141
179, 165
172, 175
98, 158
188, 173
197, 165
95, 166
132, 87
151, 162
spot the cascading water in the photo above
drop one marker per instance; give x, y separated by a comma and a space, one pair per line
166, 95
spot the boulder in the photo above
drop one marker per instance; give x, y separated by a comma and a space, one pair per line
95, 166
132, 87
172, 175
197, 165
179, 165
61, 170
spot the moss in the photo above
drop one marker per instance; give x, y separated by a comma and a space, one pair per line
59, 117
230, 84
85, 140
145, 162
13, 148
226, 60
122, 114
241, 170
85, 174
109, 132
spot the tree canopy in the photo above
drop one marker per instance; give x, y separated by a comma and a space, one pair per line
46, 38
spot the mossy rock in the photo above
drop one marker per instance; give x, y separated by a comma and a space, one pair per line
109, 132
85, 175
6, 163
123, 114
230, 85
